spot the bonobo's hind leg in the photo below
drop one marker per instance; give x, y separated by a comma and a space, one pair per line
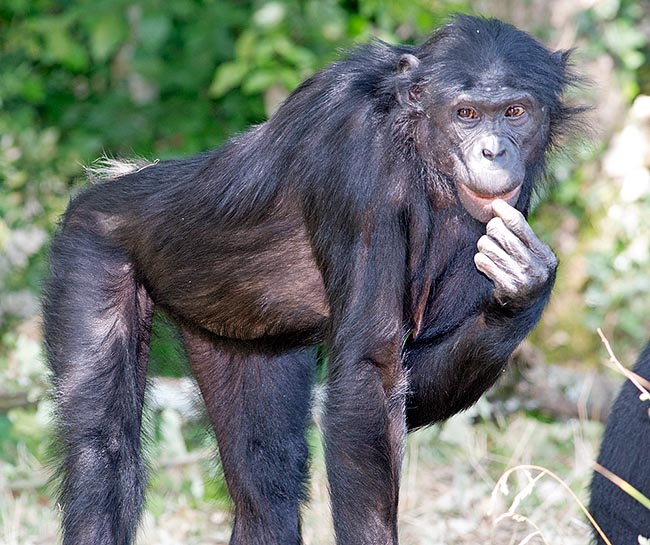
97, 320
259, 408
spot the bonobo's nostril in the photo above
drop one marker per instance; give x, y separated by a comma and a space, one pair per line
491, 156
488, 154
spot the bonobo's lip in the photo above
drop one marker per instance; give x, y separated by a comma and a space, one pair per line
480, 206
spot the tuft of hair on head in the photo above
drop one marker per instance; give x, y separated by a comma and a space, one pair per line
107, 168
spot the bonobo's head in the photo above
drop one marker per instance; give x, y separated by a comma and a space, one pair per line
490, 104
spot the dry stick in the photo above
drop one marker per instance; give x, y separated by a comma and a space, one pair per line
642, 384
543, 470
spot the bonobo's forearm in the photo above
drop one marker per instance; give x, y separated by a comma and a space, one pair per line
450, 373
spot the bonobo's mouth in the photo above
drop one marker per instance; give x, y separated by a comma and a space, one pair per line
480, 206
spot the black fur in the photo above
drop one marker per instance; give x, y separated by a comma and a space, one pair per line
624, 452
334, 222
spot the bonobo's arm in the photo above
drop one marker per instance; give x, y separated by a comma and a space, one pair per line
449, 373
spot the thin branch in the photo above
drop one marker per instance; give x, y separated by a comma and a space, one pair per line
642, 384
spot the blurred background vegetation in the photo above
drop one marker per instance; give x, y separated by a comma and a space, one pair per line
160, 79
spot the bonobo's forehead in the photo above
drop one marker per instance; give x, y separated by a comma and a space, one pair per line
476, 53
493, 80
488, 97
491, 88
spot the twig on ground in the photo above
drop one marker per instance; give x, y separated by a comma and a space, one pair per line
503, 487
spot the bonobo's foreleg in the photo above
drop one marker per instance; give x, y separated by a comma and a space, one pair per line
449, 373
364, 433
258, 404
364, 416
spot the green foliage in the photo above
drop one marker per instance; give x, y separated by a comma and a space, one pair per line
619, 29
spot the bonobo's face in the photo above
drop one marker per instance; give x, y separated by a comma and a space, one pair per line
494, 135
488, 101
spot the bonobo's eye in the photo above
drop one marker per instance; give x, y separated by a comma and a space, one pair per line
467, 113
515, 111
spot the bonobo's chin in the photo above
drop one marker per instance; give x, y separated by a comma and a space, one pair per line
480, 206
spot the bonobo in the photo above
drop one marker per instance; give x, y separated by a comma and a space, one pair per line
380, 212
624, 452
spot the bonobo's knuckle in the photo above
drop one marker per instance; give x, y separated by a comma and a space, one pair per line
526, 269
483, 243
485, 265
546, 255
494, 226
535, 278
517, 218
511, 215
508, 279
522, 279
536, 244
543, 278
515, 247
505, 289
492, 250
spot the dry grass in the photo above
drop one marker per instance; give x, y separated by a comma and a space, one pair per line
449, 476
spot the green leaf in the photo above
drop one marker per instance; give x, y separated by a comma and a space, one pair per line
107, 34
154, 30
246, 44
294, 54
33, 90
63, 49
227, 77
259, 81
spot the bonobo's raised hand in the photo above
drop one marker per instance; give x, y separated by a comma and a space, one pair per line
511, 255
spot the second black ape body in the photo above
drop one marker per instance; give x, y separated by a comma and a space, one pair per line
624, 451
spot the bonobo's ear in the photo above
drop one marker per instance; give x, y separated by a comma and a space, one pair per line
405, 65
407, 62
561, 58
